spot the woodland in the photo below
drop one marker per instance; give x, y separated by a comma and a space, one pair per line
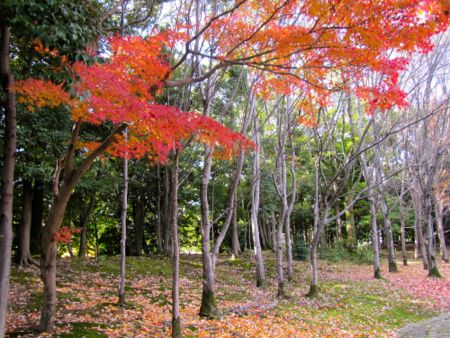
245, 168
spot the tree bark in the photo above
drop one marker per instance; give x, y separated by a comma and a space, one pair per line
123, 230
438, 210
166, 210
403, 215
176, 322
350, 225
208, 306
235, 246
255, 186
7, 175
375, 244
430, 239
159, 236
24, 257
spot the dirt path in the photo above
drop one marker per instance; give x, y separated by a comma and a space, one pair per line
437, 327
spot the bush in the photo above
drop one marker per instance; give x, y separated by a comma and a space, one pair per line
300, 249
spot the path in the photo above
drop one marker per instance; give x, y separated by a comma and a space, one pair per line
437, 327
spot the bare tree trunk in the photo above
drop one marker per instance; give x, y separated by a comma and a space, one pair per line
123, 231
375, 244
208, 306
159, 236
166, 209
274, 231
313, 288
176, 322
235, 247
260, 273
402, 230
418, 222
7, 179
279, 262
384, 209
438, 210
430, 239
24, 257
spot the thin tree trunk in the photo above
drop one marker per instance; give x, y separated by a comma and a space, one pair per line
7, 179
176, 323
418, 222
438, 210
208, 306
235, 247
24, 257
166, 209
274, 231
388, 235
159, 236
123, 231
402, 231
260, 273
430, 239
375, 244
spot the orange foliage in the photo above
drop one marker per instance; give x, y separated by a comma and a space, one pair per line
123, 90
308, 42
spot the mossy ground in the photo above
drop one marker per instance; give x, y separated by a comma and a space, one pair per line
349, 299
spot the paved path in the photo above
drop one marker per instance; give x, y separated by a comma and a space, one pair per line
437, 327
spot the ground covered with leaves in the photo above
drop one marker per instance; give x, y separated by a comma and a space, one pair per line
350, 304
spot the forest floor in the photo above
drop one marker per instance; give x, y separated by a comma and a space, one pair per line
350, 304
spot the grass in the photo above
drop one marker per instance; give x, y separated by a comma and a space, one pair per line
349, 300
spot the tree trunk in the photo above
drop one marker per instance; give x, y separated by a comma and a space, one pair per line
176, 323
430, 239
375, 244
274, 231
7, 179
166, 210
208, 306
313, 288
255, 186
48, 256
279, 262
123, 231
24, 257
438, 207
235, 247
159, 236
418, 222
388, 235
402, 231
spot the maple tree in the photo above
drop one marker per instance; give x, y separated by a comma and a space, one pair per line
121, 91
